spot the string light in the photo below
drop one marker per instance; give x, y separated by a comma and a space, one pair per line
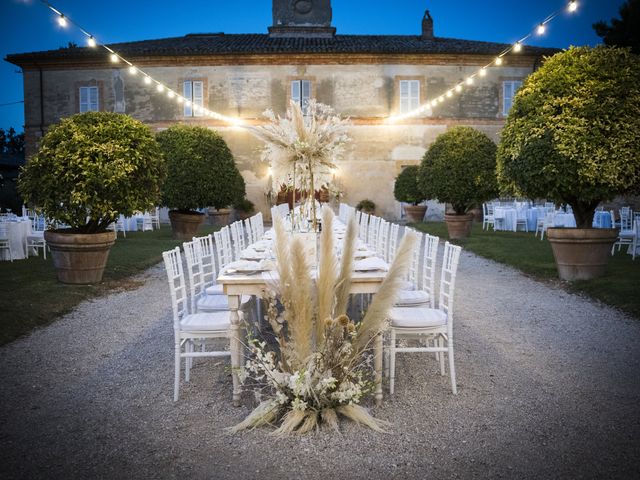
114, 57
540, 29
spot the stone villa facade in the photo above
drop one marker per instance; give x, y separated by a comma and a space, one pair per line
365, 77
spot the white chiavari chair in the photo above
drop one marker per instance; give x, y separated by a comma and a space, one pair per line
191, 328
424, 277
200, 300
428, 322
394, 231
5, 243
205, 249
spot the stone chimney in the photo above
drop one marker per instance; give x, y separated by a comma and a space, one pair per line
302, 18
427, 26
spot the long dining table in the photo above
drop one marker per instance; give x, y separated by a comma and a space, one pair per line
256, 283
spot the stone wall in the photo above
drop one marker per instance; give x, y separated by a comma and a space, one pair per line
367, 93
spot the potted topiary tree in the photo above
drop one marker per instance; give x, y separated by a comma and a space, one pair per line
572, 136
89, 169
406, 189
244, 208
366, 206
459, 168
201, 173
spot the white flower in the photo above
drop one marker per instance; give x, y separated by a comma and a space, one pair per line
298, 404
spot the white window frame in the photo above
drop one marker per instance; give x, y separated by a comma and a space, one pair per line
89, 104
409, 95
194, 98
301, 92
509, 89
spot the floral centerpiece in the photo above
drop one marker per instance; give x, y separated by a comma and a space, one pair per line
302, 147
319, 367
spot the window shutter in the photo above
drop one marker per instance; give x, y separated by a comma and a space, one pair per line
414, 94
93, 99
198, 98
84, 100
507, 92
295, 91
186, 92
306, 93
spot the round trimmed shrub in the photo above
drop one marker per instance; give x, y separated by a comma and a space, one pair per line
406, 188
201, 170
92, 167
573, 133
460, 168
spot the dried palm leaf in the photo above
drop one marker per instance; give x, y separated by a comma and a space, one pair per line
360, 415
310, 423
264, 414
376, 316
346, 268
329, 418
290, 422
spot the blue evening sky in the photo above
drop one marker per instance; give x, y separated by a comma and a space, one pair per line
27, 26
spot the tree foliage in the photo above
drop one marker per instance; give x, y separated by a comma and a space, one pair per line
459, 168
573, 134
625, 31
201, 169
406, 188
92, 167
11, 143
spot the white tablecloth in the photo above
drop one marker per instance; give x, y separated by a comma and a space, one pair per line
506, 217
131, 223
17, 230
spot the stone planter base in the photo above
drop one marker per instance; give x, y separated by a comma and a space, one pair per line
459, 226
79, 258
415, 213
219, 217
581, 253
184, 226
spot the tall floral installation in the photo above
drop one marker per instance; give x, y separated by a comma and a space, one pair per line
320, 366
301, 148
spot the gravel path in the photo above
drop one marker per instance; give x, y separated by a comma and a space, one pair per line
549, 387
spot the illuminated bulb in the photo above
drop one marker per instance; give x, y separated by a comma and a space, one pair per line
434, 103
147, 80
499, 61
470, 81
196, 108
133, 70
440, 99
62, 21
91, 42
517, 47
573, 6
180, 99
449, 93
541, 29
483, 72
458, 88
114, 58
188, 103
159, 87
170, 94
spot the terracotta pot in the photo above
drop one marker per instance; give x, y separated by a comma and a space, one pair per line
79, 258
459, 226
415, 213
184, 226
581, 253
220, 217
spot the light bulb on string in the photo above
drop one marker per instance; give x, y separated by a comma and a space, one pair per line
498, 61
62, 21
114, 58
573, 6
449, 93
170, 94
91, 41
469, 81
458, 88
180, 99
434, 103
541, 29
159, 87
440, 99
147, 80
482, 72
188, 103
517, 47
133, 70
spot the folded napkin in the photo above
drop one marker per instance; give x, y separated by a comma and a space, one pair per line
370, 264
364, 254
251, 254
261, 244
243, 266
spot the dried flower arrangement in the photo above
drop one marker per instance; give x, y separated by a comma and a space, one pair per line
319, 368
302, 147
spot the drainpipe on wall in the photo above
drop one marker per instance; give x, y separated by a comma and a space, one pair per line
41, 103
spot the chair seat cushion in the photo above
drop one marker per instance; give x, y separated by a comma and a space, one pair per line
209, 303
412, 297
206, 321
417, 317
214, 290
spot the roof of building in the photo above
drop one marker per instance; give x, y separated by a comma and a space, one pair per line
237, 44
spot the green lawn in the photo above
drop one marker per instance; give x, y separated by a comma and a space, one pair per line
30, 295
620, 287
